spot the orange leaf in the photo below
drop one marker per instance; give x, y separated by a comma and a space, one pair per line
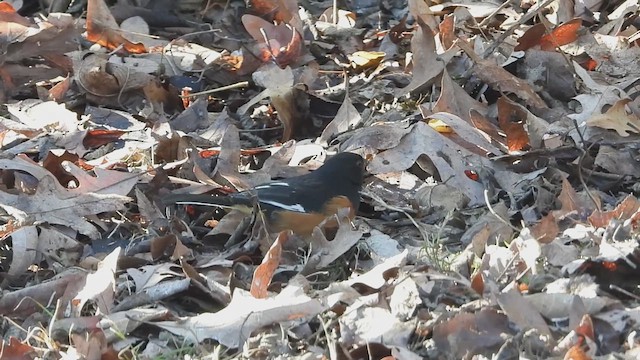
103, 29
281, 43
9, 15
264, 272
561, 35
511, 120
6, 7
590, 64
627, 208
477, 283
576, 353
279, 10
447, 31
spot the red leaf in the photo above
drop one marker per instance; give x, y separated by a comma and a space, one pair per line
97, 138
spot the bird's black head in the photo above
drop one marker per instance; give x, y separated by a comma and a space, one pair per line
347, 165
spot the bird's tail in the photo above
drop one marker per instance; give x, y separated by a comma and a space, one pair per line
235, 202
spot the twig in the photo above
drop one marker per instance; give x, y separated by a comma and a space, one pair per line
486, 200
583, 182
222, 88
510, 30
564, 56
486, 20
619, 289
391, 207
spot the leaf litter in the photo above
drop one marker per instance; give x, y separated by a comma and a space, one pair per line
499, 213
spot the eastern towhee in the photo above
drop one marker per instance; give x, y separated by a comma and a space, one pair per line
299, 203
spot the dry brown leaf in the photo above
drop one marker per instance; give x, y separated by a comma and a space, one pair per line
37, 114
617, 118
379, 137
346, 118
106, 182
576, 353
546, 230
618, 160
362, 60
193, 118
500, 79
156, 293
427, 65
104, 80
150, 275
453, 99
468, 334
324, 252
623, 211
559, 253
344, 19
232, 325
363, 325
482, 123
9, 15
469, 137
488, 230
512, 303
50, 38
450, 159
58, 91
555, 305
29, 300
477, 283
280, 43
53, 163
278, 84
226, 171
53, 204
14, 349
421, 10
31, 245
568, 198
378, 276
100, 286
93, 346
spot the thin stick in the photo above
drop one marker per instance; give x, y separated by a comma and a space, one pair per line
486, 200
486, 20
391, 207
222, 88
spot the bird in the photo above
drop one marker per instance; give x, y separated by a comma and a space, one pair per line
299, 203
